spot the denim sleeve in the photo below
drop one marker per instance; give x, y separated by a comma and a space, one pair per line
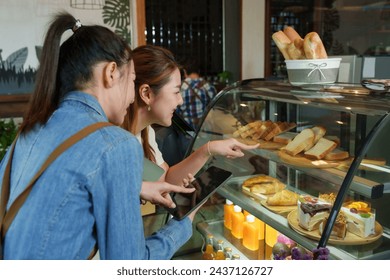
165, 242
117, 210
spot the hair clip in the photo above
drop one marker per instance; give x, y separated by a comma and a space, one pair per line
77, 25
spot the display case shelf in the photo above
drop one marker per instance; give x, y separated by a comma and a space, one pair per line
357, 118
232, 191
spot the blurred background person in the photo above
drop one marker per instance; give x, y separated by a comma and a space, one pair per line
197, 93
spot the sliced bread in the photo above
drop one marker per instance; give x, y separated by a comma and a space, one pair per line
277, 129
319, 132
337, 154
299, 143
321, 149
285, 137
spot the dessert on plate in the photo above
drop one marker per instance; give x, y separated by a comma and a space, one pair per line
311, 212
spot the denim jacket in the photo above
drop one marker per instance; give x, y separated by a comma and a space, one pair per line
88, 195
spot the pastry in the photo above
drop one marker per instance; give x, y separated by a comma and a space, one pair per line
267, 188
263, 184
283, 198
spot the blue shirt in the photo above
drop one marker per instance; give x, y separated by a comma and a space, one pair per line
90, 194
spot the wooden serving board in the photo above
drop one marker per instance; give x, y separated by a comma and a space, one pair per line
268, 145
350, 238
300, 160
281, 210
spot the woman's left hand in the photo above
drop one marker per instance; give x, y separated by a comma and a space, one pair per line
230, 148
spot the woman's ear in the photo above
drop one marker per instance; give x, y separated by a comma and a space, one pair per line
110, 73
145, 93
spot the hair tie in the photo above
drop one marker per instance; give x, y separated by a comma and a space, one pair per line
76, 26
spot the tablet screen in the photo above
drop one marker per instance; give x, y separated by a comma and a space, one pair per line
205, 184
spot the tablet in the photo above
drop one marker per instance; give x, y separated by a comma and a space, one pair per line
205, 184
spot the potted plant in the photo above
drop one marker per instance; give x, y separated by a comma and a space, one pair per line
8, 130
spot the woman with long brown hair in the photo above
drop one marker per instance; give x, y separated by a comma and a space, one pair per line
157, 95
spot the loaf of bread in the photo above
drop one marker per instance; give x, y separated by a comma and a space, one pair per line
313, 46
282, 42
299, 143
321, 149
283, 198
291, 33
295, 50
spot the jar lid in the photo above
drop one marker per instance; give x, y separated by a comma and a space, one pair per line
237, 208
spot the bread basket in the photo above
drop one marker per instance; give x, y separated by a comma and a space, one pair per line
312, 71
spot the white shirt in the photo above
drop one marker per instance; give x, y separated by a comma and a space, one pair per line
153, 144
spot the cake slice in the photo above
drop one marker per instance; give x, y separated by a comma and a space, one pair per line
360, 218
311, 212
339, 230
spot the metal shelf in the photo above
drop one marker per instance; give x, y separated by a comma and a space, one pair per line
232, 191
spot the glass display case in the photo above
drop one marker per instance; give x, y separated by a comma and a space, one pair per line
355, 119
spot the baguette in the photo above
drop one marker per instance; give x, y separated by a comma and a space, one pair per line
282, 41
295, 49
299, 143
291, 33
313, 46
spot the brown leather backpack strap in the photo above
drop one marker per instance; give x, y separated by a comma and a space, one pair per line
6, 217
5, 194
